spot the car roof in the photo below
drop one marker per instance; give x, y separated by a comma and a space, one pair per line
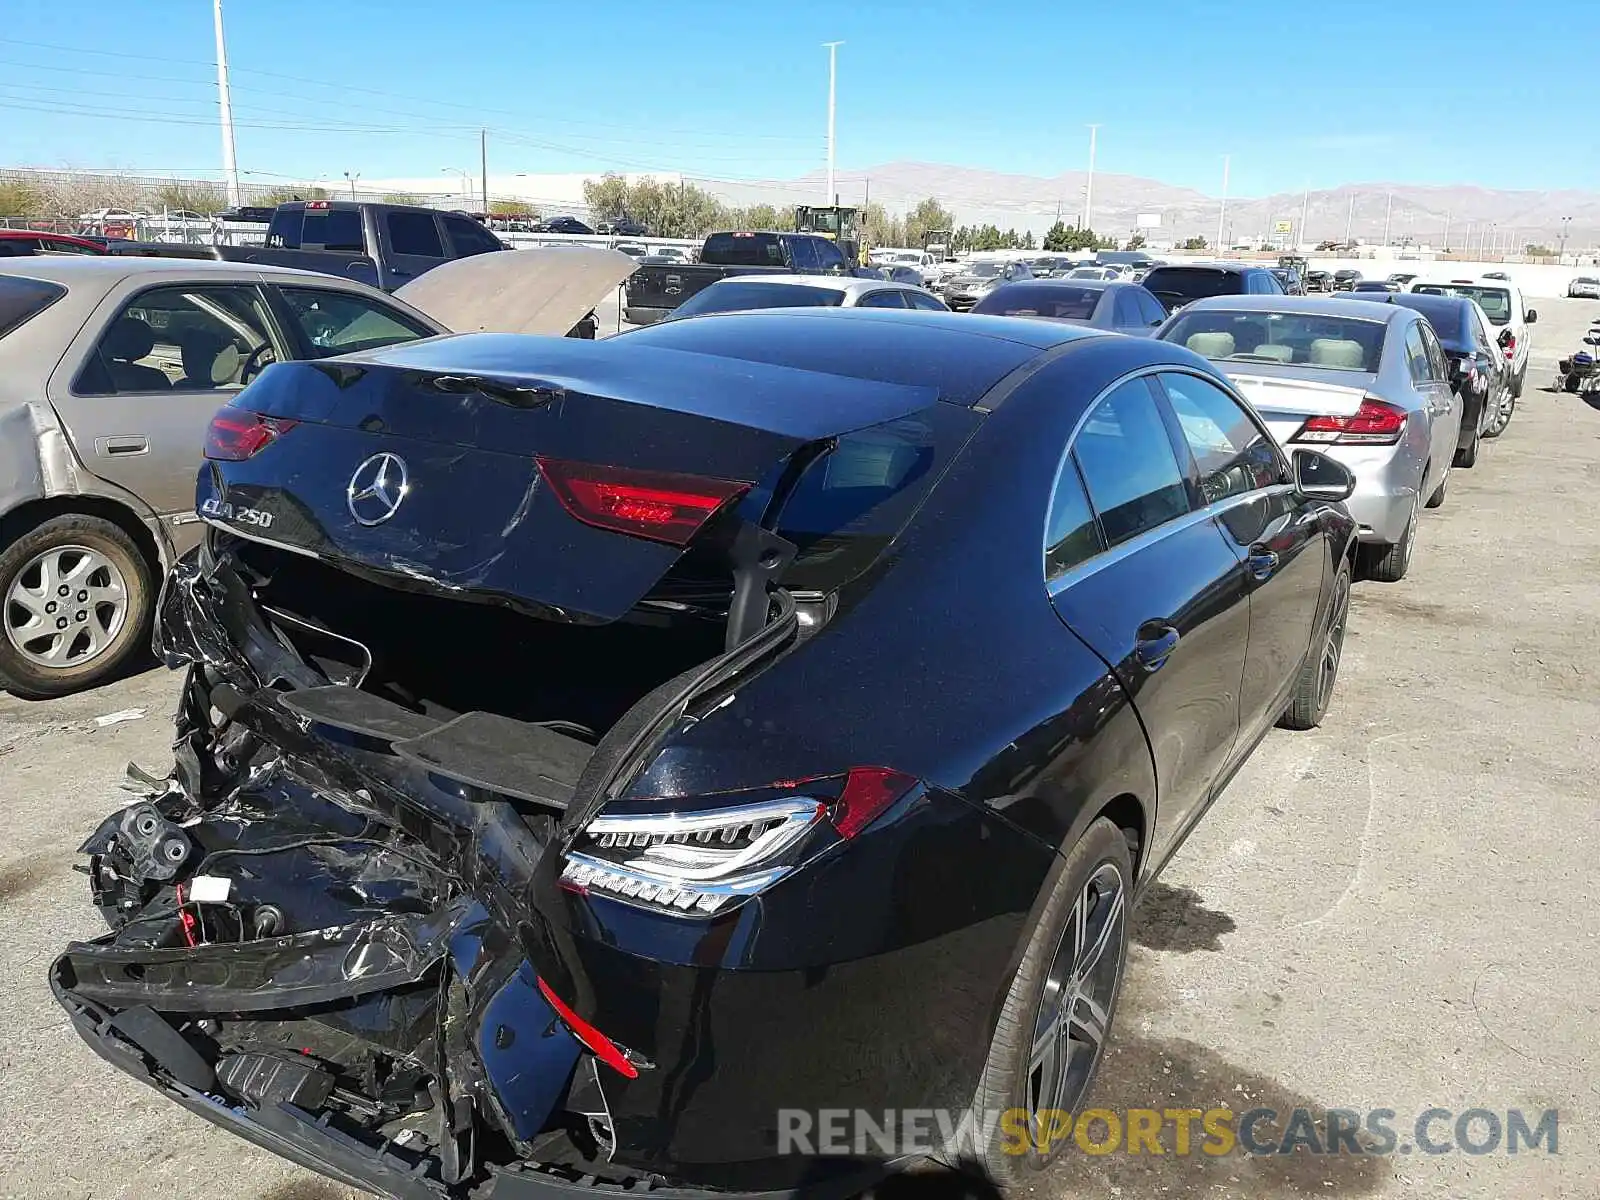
962, 355
1226, 268
847, 284
1077, 285
104, 269
1311, 306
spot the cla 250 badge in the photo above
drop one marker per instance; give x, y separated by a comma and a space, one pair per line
258, 518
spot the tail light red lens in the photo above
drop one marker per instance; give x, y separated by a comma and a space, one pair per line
663, 506
1373, 424
1510, 344
237, 434
603, 1047
868, 792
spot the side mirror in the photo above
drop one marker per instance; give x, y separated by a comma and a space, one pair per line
1318, 477
1533, 315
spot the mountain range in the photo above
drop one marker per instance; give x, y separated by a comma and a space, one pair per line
1505, 218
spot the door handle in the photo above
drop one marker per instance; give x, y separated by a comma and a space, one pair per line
1261, 561
1157, 641
118, 447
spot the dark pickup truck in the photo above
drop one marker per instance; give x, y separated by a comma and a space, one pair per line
654, 290
384, 245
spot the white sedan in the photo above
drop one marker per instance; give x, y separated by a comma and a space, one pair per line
741, 293
1584, 287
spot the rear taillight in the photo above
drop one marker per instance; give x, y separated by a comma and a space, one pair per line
1373, 424
698, 862
237, 434
1510, 344
663, 506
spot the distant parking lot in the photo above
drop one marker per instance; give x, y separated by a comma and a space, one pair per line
1393, 912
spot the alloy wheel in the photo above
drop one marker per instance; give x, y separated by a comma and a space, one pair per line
66, 607
1333, 644
1075, 1011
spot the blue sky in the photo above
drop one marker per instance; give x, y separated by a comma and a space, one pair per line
1425, 91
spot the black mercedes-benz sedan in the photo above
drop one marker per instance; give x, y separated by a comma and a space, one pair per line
599, 760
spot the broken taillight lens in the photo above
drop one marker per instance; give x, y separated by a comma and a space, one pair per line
237, 434
664, 506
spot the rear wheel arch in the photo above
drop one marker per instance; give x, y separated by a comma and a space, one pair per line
33, 513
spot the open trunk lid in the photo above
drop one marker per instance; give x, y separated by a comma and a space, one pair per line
544, 291
1286, 403
560, 476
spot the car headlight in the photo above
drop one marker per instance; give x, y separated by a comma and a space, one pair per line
695, 863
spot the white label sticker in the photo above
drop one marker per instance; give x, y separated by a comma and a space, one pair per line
209, 889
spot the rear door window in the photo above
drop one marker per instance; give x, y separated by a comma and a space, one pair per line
1154, 314
1126, 313
885, 299
22, 298
1438, 371
415, 233
1128, 464
467, 237
829, 260
1417, 355
183, 339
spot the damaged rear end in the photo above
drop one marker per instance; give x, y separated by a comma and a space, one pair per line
447, 611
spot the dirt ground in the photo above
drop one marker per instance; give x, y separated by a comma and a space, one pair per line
1395, 911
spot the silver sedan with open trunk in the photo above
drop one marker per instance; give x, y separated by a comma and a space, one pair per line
1365, 383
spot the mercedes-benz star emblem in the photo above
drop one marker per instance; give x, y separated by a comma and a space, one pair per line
377, 488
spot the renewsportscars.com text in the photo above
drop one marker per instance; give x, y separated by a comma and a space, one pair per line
1171, 1131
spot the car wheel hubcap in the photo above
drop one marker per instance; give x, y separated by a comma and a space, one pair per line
66, 607
1075, 1011
1333, 645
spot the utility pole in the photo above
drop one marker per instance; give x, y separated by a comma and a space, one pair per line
833, 75
1565, 223
1305, 207
230, 162
1088, 187
1388, 209
483, 161
351, 179
1446, 242
1349, 219
1222, 213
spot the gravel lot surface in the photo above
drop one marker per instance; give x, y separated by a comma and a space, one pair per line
1395, 911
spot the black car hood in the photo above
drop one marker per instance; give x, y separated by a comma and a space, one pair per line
467, 417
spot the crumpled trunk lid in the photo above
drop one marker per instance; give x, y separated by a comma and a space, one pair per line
419, 464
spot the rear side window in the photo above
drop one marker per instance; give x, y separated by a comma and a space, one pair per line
743, 250
1071, 533
1417, 356
1128, 464
803, 257
334, 229
467, 237
21, 299
284, 231
884, 299
415, 233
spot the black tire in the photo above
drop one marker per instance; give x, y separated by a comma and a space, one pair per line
1007, 1080
1570, 384
23, 676
1319, 674
1389, 564
1517, 381
1437, 499
1467, 456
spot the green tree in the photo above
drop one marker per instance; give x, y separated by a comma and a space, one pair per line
928, 214
1136, 242
513, 210
402, 198
18, 198
1057, 238
1538, 250
607, 197
282, 195
1194, 243
205, 198
1027, 241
